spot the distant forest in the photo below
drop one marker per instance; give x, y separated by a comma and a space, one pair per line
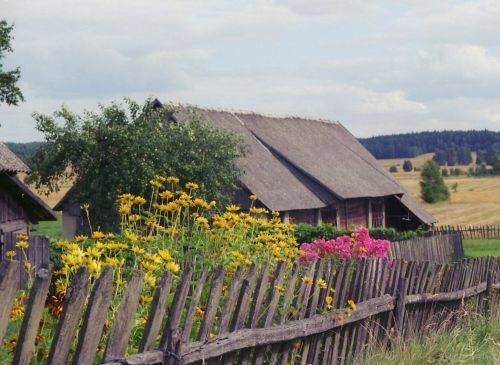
24, 150
449, 147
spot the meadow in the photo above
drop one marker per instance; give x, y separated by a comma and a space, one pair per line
475, 201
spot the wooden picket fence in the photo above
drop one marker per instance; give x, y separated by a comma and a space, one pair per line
472, 232
255, 316
441, 248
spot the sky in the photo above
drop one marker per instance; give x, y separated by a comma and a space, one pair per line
377, 67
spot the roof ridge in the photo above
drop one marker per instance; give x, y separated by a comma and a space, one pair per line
250, 112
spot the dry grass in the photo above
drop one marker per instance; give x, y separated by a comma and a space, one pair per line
475, 202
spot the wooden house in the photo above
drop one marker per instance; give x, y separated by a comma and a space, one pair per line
313, 171
309, 170
19, 206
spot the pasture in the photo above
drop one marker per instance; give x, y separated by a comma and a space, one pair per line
476, 200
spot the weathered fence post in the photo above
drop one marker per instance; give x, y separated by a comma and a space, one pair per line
29, 328
9, 272
400, 307
488, 295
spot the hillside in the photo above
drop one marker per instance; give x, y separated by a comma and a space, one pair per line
485, 143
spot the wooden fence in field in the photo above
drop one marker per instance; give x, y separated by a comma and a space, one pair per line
441, 248
37, 253
257, 315
473, 232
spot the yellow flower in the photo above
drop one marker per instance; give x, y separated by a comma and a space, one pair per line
252, 197
199, 312
85, 206
124, 209
149, 266
165, 255
173, 179
131, 236
329, 301
150, 279
146, 299
321, 283
332, 290
340, 318
10, 253
161, 178
167, 194
139, 200
22, 244
192, 185
307, 280
93, 252
138, 250
94, 267
22, 237
155, 183
232, 208
169, 207
134, 217
79, 238
172, 267
98, 235
296, 344
351, 304
279, 288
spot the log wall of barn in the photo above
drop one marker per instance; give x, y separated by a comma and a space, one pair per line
353, 212
12, 215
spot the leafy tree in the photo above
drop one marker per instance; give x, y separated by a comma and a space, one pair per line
393, 168
407, 166
432, 186
119, 149
10, 93
445, 172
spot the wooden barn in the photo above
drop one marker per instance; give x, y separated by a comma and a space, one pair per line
19, 206
311, 171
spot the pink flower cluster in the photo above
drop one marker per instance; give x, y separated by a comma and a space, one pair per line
359, 245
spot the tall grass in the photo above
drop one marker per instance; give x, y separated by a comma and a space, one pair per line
475, 342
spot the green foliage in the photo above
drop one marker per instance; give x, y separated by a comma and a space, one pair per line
10, 93
120, 148
432, 186
308, 233
393, 168
407, 166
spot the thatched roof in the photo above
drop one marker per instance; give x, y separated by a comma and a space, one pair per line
299, 163
9, 162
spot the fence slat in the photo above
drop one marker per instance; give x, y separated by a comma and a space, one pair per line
9, 271
195, 301
95, 316
122, 326
31, 322
156, 312
70, 316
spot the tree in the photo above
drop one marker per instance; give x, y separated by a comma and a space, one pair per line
119, 149
432, 186
407, 166
393, 168
10, 93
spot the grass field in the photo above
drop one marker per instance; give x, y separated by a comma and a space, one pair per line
477, 247
476, 200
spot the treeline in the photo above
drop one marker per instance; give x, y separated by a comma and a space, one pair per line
24, 150
454, 147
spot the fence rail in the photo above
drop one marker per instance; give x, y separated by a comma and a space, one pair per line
261, 315
472, 232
